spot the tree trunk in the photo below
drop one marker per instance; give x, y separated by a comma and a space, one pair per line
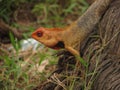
106, 51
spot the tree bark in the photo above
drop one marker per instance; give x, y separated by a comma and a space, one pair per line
106, 51
5, 29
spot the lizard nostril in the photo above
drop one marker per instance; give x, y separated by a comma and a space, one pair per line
39, 34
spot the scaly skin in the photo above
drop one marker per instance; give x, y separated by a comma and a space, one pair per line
52, 36
73, 35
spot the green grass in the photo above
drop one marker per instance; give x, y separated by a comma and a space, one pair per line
13, 76
51, 12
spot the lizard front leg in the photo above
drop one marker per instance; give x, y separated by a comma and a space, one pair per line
72, 51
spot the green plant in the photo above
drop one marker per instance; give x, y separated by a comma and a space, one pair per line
51, 11
15, 42
12, 73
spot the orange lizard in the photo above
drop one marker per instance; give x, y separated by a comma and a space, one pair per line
57, 38
72, 36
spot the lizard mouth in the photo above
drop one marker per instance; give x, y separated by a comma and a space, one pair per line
58, 46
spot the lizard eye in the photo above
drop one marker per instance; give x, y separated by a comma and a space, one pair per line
39, 34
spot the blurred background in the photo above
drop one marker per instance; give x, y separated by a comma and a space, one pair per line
24, 62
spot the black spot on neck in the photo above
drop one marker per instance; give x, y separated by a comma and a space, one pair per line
60, 44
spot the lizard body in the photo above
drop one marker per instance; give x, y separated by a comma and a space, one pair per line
71, 36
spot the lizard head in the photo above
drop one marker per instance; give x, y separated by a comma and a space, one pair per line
47, 37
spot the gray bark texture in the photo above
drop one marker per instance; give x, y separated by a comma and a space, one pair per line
106, 49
